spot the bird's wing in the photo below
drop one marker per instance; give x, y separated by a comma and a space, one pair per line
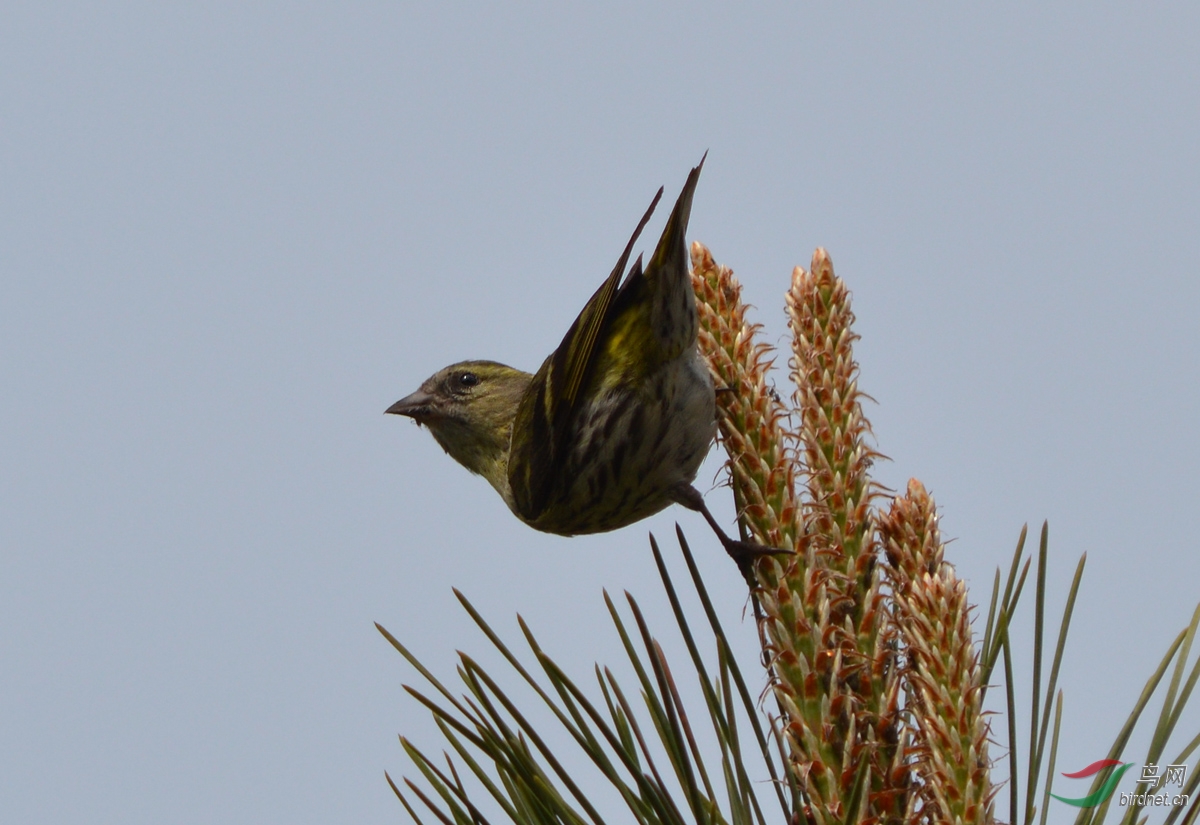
626, 332
542, 428
655, 312
576, 355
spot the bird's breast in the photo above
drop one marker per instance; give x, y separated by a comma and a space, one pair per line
634, 445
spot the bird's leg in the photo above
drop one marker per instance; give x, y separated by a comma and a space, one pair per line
743, 553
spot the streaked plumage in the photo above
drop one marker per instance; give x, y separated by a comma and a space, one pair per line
614, 425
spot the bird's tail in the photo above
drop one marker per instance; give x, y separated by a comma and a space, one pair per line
666, 283
672, 254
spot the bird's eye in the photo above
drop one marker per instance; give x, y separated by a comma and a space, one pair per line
462, 380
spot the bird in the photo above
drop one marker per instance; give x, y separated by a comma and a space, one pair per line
614, 425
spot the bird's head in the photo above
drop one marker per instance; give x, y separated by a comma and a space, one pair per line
469, 407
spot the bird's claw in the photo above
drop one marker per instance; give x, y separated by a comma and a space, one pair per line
746, 552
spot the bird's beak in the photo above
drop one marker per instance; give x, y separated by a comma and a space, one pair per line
419, 405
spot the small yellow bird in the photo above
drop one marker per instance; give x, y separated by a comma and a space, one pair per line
615, 424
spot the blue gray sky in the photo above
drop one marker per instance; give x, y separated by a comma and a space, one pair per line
231, 234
